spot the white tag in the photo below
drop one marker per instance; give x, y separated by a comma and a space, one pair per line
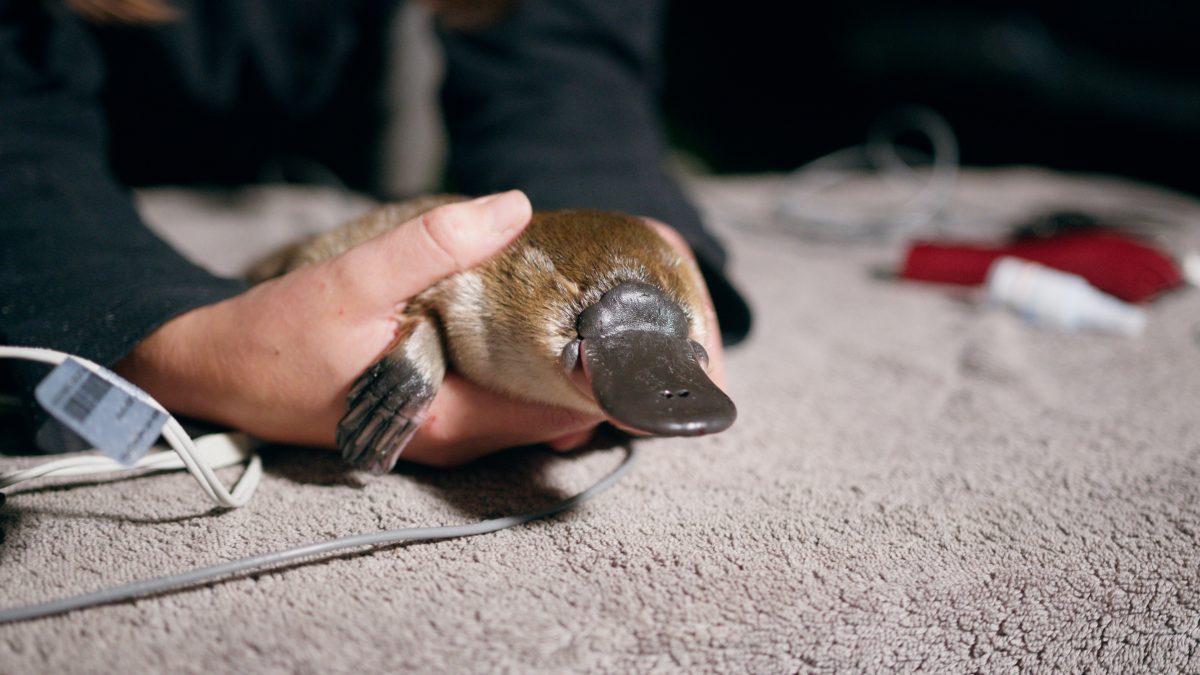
106, 410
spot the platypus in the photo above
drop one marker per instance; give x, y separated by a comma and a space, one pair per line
586, 309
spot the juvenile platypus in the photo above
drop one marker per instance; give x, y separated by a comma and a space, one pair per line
589, 310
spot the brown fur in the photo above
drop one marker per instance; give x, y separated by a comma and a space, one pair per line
326, 245
507, 321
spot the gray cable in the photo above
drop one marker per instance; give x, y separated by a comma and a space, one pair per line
267, 560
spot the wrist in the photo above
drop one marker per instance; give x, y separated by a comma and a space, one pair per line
176, 365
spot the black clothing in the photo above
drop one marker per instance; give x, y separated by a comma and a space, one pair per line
556, 100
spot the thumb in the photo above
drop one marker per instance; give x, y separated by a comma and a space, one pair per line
436, 244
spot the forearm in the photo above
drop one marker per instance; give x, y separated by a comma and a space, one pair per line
80, 273
181, 366
78, 270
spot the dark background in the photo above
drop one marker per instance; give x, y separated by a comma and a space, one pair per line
766, 86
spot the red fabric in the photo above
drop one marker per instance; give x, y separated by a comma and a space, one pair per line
1112, 262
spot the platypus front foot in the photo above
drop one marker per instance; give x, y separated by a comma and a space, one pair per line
388, 402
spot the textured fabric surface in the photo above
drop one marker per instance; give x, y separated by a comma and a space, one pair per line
915, 483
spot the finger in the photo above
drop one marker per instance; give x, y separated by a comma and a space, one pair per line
443, 241
467, 421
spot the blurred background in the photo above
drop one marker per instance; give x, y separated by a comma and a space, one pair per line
1101, 86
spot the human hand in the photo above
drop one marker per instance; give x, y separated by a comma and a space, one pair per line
278, 360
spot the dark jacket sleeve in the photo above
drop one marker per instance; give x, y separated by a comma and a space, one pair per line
559, 100
79, 271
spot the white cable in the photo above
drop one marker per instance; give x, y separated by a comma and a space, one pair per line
220, 450
798, 201
191, 457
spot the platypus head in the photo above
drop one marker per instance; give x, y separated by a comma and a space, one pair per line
644, 372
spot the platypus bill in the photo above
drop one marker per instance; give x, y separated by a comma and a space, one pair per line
579, 292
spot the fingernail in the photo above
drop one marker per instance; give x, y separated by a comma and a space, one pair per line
509, 210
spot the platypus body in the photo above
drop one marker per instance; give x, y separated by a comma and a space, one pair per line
588, 310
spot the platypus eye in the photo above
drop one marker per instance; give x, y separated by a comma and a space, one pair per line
700, 352
570, 355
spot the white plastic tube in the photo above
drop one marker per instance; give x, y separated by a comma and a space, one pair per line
1057, 299
1191, 268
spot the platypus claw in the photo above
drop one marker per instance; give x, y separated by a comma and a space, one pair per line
386, 407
